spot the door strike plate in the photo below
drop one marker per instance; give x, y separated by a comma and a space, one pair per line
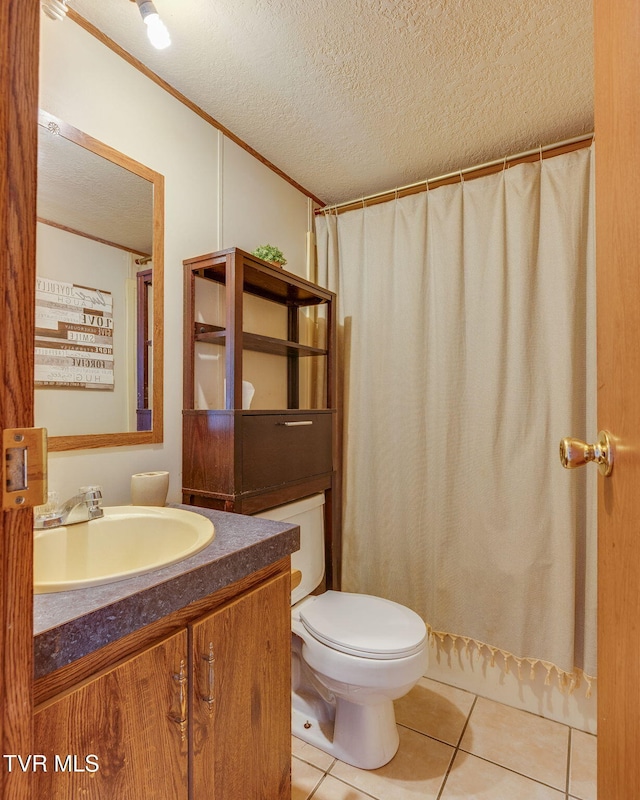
24, 467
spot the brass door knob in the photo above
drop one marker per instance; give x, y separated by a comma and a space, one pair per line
575, 453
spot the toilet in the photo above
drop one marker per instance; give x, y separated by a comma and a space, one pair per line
352, 654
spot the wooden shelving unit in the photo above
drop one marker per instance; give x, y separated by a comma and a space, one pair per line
249, 460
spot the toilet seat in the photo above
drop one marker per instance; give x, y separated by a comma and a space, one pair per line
363, 625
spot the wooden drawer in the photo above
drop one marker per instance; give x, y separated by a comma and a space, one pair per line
278, 448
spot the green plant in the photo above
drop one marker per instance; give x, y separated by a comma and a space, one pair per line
268, 252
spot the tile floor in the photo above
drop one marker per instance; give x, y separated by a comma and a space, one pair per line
454, 745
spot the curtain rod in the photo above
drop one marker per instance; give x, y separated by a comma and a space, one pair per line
412, 188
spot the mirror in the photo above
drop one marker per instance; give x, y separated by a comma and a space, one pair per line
99, 293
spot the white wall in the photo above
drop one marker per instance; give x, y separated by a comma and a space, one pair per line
216, 195
250, 189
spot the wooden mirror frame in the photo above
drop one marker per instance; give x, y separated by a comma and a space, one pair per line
153, 436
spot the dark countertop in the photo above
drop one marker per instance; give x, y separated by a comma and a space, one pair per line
69, 625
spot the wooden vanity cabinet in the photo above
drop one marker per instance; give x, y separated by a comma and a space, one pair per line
200, 710
114, 735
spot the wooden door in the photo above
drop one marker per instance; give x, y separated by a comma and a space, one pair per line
122, 734
19, 21
617, 126
241, 700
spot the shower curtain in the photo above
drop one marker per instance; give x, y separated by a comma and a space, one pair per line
467, 322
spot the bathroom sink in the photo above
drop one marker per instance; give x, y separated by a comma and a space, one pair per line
127, 541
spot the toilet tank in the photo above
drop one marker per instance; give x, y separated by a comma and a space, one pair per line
308, 513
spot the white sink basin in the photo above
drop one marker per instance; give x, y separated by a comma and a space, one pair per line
127, 541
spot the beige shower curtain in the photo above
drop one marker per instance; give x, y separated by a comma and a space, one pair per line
467, 317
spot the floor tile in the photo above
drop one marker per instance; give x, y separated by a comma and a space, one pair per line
533, 746
310, 754
583, 766
304, 779
417, 770
472, 778
436, 709
333, 789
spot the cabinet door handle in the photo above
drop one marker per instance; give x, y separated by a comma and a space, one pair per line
208, 660
180, 718
298, 423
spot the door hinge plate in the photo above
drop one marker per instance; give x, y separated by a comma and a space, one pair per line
24, 467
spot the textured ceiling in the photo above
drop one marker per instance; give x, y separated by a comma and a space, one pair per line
87, 193
350, 97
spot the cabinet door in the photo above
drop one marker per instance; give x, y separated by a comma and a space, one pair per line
241, 737
129, 722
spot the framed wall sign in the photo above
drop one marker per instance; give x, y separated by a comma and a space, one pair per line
74, 336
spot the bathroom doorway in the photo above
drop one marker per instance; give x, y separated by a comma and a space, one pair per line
617, 30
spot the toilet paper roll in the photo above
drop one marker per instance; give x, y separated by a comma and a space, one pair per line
149, 488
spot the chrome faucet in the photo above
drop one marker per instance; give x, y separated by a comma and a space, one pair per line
82, 507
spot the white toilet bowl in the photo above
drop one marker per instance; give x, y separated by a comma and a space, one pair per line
353, 655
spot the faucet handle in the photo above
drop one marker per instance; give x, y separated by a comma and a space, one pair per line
48, 514
93, 500
52, 504
93, 495
86, 489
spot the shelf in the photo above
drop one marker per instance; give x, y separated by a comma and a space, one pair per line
256, 412
203, 332
254, 341
261, 278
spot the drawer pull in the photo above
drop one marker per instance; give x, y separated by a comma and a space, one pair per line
297, 424
209, 660
180, 718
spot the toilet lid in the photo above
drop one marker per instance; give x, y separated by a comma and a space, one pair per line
362, 625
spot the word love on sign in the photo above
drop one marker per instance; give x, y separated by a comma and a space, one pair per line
74, 336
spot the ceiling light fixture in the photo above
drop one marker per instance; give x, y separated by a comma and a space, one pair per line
54, 9
156, 30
